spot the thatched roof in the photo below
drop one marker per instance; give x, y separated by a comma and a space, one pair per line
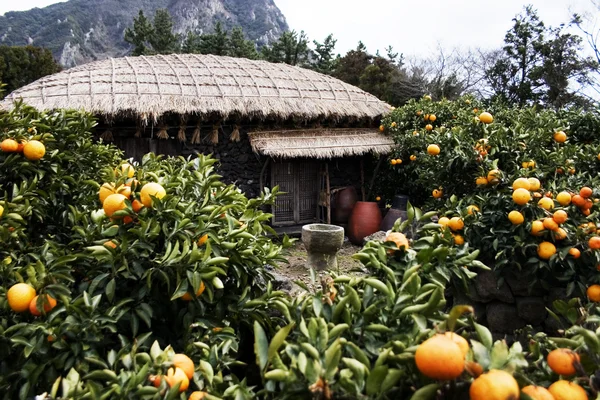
198, 84
320, 143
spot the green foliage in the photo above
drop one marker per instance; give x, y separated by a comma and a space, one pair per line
20, 66
114, 301
155, 38
291, 48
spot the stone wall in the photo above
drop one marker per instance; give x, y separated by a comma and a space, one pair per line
510, 305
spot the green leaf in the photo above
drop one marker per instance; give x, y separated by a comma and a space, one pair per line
261, 346
485, 336
499, 355
278, 340
426, 392
375, 379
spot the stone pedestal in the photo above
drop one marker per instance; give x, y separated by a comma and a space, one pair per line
322, 243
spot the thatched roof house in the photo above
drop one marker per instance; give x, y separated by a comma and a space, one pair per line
190, 101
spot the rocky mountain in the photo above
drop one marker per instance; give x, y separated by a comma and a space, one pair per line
79, 31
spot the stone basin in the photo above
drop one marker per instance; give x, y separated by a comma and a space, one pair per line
322, 242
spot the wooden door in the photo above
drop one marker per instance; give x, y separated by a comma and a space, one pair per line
299, 179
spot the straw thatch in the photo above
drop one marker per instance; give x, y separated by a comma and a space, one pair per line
320, 143
148, 87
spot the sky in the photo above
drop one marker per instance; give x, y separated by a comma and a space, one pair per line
414, 28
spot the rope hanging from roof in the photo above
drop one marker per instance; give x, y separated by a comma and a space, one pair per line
182, 125
107, 135
196, 136
235, 134
162, 132
214, 135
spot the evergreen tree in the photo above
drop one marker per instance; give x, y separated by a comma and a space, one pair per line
291, 48
21, 65
240, 47
351, 67
139, 35
325, 61
191, 44
162, 39
216, 43
514, 76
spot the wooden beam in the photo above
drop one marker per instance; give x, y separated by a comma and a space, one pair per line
362, 178
370, 192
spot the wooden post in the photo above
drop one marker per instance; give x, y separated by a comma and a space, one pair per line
362, 179
370, 192
262, 172
328, 193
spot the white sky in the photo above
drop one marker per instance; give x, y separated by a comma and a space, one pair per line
411, 27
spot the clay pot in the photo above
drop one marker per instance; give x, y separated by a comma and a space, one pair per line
364, 221
398, 210
344, 203
322, 243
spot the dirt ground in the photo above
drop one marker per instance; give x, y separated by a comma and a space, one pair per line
297, 269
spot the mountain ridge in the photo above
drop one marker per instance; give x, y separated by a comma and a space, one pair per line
79, 31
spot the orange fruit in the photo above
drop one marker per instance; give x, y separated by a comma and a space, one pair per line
494, 385
48, 305
565, 390
546, 250
515, 217
413, 157
560, 234
460, 341
560, 216
185, 363
585, 192
578, 200
151, 189
563, 198
197, 395
381, 128
494, 176
444, 221
432, 117
587, 204
593, 293
399, 239
560, 137
458, 240
456, 224
106, 190
136, 205
472, 209
437, 193
433, 149
474, 369
126, 168
175, 376
188, 297
521, 183
110, 244
562, 361
439, 357
34, 150
113, 203
536, 228
9, 146
21, 146
124, 190
575, 252
202, 240
594, 242
521, 196
534, 184
586, 212
481, 181
550, 224
429, 127
546, 203
19, 297
398, 161
394, 124
486, 118
537, 392
393, 162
